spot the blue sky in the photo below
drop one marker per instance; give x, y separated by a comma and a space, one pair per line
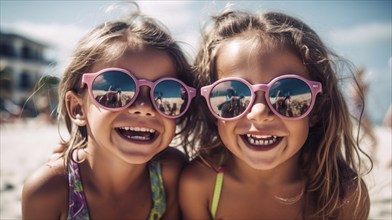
358, 30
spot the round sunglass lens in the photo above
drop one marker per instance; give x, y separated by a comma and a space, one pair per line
170, 97
113, 89
290, 97
230, 98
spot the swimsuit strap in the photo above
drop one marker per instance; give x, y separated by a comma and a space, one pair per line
218, 187
77, 203
78, 210
157, 191
217, 192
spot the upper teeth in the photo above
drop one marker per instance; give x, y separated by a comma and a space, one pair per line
138, 129
261, 139
259, 136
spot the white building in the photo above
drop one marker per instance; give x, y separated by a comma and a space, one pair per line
22, 64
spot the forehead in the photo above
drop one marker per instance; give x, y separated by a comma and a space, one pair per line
144, 62
238, 56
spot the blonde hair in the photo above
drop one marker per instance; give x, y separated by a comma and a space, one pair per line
107, 42
330, 158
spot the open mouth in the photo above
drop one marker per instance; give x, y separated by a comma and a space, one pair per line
261, 141
137, 133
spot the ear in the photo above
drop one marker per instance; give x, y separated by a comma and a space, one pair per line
75, 110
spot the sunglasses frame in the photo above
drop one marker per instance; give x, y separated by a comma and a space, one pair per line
89, 78
315, 88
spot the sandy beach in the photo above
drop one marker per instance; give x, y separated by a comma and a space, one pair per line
25, 145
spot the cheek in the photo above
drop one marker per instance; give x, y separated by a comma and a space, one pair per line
93, 113
226, 132
299, 130
89, 107
97, 119
170, 129
222, 129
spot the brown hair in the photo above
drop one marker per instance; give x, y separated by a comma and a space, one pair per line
109, 41
330, 158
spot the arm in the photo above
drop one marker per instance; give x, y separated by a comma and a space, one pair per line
172, 163
196, 185
45, 193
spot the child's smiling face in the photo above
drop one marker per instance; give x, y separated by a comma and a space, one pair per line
260, 138
116, 132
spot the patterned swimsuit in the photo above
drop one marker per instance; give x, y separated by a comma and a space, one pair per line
77, 207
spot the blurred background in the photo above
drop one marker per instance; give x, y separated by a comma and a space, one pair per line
37, 38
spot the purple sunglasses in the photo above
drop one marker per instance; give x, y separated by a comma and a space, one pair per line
290, 97
115, 89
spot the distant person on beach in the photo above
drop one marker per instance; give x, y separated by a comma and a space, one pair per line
265, 163
117, 163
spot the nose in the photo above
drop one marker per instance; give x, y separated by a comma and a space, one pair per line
260, 110
143, 104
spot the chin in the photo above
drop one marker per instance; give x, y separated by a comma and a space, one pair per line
262, 167
137, 158
262, 164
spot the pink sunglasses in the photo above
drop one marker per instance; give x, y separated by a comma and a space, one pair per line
290, 97
115, 89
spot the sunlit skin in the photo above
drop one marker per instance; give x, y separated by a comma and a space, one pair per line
114, 171
107, 150
263, 173
145, 64
238, 59
275, 168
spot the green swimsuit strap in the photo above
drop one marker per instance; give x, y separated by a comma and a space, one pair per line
218, 187
217, 192
157, 190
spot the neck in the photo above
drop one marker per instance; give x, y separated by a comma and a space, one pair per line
283, 184
110, 176
285, 173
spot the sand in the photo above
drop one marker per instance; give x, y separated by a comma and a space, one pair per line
25, 145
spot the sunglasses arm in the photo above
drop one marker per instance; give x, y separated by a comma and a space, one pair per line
87, 79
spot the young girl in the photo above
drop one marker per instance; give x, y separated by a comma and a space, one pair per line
117, 164
286, 149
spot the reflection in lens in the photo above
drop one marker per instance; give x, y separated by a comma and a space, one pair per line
290, 97
113, 89
170, 97
230, 98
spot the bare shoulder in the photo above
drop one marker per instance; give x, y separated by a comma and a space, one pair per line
45, 192
198, 179
196, 189
356, 203
198, 171
172, 162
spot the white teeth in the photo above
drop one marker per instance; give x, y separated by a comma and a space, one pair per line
139, 138
259, 136
138, 129
261, 140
